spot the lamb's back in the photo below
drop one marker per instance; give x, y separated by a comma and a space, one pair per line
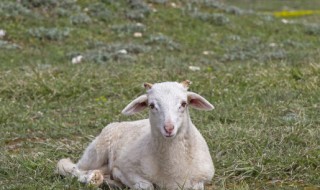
118, 134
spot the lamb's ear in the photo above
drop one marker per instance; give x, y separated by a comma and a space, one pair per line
198, 102
136, 105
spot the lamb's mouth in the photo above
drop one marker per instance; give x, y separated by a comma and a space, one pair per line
169, 135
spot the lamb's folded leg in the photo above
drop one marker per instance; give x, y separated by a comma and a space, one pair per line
66, 167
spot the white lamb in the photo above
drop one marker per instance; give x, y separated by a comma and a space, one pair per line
164, 151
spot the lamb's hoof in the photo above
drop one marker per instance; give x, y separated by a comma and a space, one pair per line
95, 178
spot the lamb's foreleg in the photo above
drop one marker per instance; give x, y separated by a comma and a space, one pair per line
65, 167
131, 180
92, 166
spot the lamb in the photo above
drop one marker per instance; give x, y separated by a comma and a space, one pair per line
164, 151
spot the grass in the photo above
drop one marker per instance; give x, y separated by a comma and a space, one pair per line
261, 73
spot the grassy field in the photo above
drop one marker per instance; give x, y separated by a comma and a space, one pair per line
261, 72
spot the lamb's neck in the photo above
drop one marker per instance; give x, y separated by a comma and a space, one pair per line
177, 147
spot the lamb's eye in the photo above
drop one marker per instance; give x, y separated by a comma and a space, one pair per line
151, 106
183, 104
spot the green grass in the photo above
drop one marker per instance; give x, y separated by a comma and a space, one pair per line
262, 75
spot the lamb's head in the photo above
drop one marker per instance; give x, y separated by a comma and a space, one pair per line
168, 103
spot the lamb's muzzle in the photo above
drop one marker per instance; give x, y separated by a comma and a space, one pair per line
169, 128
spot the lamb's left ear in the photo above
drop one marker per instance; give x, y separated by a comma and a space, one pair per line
136, 105
198, 102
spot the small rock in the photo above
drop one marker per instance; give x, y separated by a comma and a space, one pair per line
137, 34
272, 44
194, 68
173, 5
123, 51
77, 59
285, 21
207, 52
2, 33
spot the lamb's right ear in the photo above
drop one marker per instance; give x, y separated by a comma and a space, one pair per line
136, 105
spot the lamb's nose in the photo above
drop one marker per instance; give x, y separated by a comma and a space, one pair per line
169, 128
